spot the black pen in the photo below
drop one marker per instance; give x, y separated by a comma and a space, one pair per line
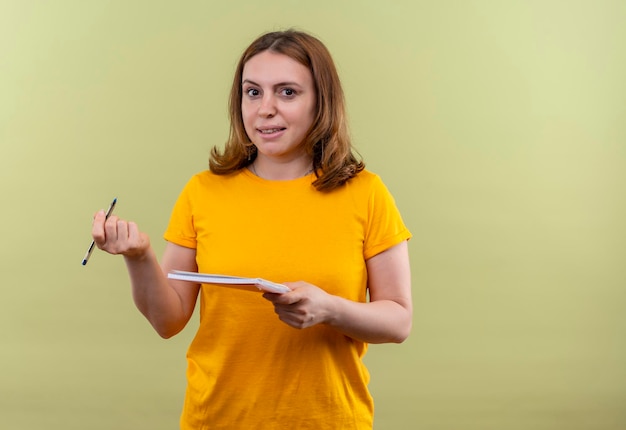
89, 251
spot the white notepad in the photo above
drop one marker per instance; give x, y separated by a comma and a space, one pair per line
206, 278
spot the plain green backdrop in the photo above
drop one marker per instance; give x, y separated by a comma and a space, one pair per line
499, 126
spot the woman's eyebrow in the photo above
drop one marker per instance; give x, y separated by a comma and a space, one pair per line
279, 84
248, 81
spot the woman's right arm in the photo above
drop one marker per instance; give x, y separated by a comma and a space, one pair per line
167, 304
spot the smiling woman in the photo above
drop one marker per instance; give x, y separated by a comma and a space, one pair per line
278, 106
285, 201
327, 142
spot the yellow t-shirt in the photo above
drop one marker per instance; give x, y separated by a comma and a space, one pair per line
247, 369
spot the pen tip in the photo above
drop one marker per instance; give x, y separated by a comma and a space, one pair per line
84, 262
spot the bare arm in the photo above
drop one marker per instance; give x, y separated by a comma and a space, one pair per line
386, 318
167, 304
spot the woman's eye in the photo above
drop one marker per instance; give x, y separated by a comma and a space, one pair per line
289, 92
252, 92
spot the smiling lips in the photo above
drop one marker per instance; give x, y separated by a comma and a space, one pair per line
270, 130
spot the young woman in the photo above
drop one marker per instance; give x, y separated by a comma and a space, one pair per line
285, 200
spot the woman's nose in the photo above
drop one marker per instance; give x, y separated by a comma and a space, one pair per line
268, 106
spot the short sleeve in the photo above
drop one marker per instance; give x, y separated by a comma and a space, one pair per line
385, 227
180, 229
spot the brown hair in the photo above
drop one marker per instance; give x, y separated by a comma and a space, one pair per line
328, 141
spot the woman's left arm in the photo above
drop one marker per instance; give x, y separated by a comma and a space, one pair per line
387, 317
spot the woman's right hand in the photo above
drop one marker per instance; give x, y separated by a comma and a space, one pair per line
118, 236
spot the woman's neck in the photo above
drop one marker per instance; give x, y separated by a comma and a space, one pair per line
281, 171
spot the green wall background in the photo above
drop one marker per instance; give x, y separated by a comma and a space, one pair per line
500, 127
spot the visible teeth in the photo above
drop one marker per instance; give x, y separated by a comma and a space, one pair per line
272, 130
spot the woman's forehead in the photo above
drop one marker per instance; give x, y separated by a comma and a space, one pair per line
272, 67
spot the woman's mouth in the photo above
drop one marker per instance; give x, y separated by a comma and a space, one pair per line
270, 130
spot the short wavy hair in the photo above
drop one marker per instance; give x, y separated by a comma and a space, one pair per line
327, 142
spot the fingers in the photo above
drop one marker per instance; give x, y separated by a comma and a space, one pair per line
298, 292
286, 299
296, 316
97, 227
117, 236
297, 308
133, 232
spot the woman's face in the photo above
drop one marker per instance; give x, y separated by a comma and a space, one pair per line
277, 105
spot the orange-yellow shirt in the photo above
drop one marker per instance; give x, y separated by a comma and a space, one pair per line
246, 369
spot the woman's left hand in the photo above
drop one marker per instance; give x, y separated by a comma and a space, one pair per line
386, 317
304, 306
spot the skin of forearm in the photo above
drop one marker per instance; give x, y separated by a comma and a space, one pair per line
153, 295
383, 321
